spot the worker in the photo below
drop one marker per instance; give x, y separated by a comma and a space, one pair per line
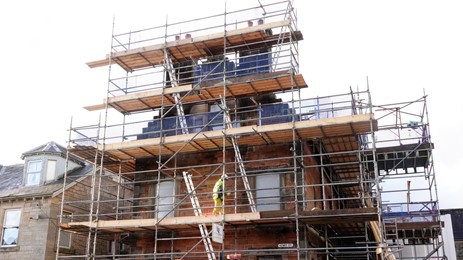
218, 195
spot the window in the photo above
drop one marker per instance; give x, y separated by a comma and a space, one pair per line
116, 247
10, 230
64, 236
33, 172
268, 192
51, 170
111, 247
165, 199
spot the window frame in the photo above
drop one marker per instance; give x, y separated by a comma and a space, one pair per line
5, 226
64, 232
161, 206
267, 202
38, 172
51, 170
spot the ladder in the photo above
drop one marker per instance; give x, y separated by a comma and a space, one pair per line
174, 82
197, 209
390, 229
239, 159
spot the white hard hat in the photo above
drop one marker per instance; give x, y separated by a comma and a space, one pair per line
224, 176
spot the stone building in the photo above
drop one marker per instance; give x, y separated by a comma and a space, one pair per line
30, 203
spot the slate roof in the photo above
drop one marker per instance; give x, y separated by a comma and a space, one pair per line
11, 179
50, 148
9, 176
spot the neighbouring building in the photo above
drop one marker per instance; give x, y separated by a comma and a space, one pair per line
304, 177
456, 216
30, 203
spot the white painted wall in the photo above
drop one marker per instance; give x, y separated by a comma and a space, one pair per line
420, 251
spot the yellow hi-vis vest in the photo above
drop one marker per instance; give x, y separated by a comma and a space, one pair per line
218, 189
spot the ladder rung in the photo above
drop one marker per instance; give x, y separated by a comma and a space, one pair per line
239, 159
178, 104
197, 209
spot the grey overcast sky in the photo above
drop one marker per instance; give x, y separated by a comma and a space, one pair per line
404, 47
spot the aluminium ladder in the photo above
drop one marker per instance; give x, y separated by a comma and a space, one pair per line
239, 159
197, 209
178, 104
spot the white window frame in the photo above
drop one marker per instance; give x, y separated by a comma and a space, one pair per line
6, 226
30, 171
67, 217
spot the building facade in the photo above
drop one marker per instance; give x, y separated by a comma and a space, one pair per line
456, 216
30, 203
303, 178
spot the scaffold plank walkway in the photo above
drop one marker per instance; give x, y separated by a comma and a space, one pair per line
358, 215
236, 87
246, 135
195, 47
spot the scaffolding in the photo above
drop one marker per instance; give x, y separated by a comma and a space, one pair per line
308, 177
